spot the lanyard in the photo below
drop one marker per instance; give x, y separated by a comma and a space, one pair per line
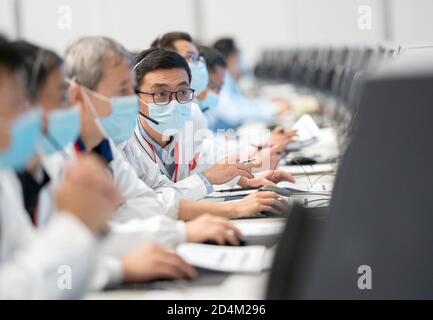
148, 148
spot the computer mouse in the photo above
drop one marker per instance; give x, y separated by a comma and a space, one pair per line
280, 191
302, 161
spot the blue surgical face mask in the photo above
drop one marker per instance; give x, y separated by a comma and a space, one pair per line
63, 128
209, 102
170, 118
199, 76
24, 135
120, 124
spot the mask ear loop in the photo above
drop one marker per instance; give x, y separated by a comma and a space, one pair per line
90, 103
144, 116
84, 91
92, 108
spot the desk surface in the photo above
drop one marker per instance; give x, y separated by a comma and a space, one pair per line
207, 286
211, 286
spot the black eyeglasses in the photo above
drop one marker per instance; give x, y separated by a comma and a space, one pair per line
164, 97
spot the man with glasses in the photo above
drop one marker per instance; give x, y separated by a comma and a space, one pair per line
165, 94
203, 147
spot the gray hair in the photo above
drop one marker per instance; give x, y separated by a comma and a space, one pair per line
85, 59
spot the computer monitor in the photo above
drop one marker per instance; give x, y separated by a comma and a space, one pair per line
379, 234
296, 248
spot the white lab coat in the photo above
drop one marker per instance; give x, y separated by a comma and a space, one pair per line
34, 263
204, 151
152, 171
191, 188
145, 214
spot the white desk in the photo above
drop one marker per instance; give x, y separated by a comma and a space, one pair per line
231, 286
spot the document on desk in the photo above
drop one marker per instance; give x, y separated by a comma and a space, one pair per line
316, 187
308, 133
309, 169
261, 228
248, 259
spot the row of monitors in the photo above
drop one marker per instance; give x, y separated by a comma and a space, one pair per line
375, 239
333, 71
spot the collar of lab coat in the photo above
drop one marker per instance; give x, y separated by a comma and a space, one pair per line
103, 149
162, 152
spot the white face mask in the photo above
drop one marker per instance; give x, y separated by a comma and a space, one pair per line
199, 76
169, 119
120, 124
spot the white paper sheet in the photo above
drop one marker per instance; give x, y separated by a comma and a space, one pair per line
247, 259
316, 187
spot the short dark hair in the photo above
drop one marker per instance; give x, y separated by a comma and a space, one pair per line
10, 57
155, 58
38, 64
167, 40
226, 46
213, 58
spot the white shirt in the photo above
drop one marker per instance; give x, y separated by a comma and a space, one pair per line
32, 262
198, 149
145, 214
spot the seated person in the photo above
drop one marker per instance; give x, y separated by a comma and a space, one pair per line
93, 90
207, 148
127, 256
30, 261
234, 107
163, 86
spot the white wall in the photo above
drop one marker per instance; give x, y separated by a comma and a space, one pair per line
7, 18
133, 22
412, 21
256, 24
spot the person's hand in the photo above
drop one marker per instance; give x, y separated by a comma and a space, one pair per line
261, 201
269, 157
280, 138
152, 262
227, 170
267, 178
88, 193
208, 227
255, 182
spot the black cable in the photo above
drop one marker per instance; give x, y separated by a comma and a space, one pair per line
148, 118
